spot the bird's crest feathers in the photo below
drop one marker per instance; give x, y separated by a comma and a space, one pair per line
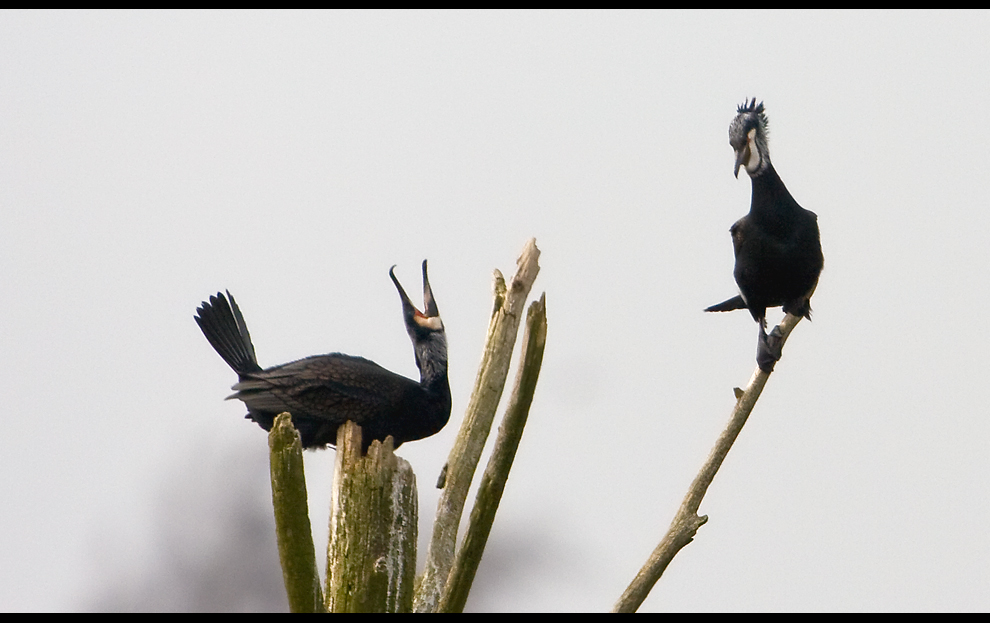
757, 110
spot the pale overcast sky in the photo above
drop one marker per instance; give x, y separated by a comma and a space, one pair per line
148, 160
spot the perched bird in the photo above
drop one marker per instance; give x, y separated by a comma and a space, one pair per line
324, 391
777, 246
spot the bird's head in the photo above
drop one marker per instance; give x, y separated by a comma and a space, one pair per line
748, 138
426, 331
419, 324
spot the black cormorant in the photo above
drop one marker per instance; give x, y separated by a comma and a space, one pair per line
324, 391
777, 246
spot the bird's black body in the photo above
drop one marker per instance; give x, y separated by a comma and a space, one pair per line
777, 245
324, 391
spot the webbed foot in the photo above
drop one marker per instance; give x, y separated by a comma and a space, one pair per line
769, 349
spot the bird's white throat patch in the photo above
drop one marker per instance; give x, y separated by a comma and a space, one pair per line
753, 164
433, 323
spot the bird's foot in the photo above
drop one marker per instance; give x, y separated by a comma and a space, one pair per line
769, 349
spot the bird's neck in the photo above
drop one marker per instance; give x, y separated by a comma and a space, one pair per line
772, 204
431, 358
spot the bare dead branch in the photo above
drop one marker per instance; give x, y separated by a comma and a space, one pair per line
464, 456
687, 521
497, 472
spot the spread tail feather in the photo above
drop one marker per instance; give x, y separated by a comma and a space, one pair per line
735, 302
224, 327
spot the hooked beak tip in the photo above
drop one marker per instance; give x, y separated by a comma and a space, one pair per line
429, 304
742, 155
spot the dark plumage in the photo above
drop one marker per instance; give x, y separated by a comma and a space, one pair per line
777, 246
324, 391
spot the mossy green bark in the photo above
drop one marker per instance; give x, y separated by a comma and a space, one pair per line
292, 527
371, 556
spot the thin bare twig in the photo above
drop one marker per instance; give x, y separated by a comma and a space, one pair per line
687, 521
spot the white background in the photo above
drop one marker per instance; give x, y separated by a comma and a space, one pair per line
149, 159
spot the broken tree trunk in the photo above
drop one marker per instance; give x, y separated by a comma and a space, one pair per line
371, 556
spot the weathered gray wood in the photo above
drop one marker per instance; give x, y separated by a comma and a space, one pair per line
292, 527
464, 456
371, 556
687, 521
496, 474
